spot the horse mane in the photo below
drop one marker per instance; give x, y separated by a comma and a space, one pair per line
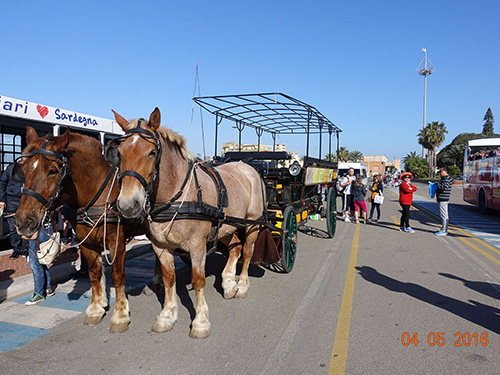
174, 137
170, 136
85, 141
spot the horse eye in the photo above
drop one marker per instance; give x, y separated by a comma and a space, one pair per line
53, 172
152, 153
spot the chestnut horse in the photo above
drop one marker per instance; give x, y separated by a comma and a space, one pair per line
48, 184
157, 171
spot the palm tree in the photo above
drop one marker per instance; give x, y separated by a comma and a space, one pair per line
343, 154
356, 156
411, 155
331, 157
431, 137
456, 153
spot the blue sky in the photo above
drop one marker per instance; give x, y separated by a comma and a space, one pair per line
355, 61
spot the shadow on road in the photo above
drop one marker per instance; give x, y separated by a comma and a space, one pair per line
214, 265
475, 312
490, 290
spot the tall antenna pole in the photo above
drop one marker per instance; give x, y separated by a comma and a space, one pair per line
425, 70
197, 86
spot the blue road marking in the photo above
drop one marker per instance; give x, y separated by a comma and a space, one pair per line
14, 336
138, 272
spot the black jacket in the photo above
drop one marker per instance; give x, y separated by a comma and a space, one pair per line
10, 191
443, 191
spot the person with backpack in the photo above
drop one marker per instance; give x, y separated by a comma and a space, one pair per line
345, 184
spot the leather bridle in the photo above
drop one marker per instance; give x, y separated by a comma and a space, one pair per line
113, 157
18, 175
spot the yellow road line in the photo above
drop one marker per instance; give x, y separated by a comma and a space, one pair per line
467, 242
395, 220
339, 352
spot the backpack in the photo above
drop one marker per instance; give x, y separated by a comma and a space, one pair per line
340, 189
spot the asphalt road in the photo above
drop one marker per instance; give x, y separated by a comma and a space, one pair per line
372, 300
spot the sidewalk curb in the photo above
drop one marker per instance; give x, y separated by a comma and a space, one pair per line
22, 285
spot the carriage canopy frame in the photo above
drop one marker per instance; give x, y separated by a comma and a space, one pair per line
274, 113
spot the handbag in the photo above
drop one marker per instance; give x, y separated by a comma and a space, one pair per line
50, 249
379, 198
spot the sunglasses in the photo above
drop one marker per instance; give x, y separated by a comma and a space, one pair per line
406, 177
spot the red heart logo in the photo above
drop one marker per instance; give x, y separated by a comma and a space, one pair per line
42, 110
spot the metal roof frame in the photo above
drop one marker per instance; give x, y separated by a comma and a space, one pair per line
274, 113
271, 112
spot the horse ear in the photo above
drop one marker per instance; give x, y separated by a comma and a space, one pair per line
121, 121
61, 142
155, 119
31, 135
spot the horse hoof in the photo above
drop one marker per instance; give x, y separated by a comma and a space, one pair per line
118, 327
241, 293
158, 327
231, 293
92, 320
199, 333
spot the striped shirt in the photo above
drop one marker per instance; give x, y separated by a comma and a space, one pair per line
443, 191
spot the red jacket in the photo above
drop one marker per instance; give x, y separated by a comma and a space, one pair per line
406, 191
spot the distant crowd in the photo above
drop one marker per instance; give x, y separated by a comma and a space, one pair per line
355, 195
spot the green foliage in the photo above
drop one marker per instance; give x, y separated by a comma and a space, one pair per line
431, 137
356, 156
488, 123
417, 165
343, 154
454, 171
332, 157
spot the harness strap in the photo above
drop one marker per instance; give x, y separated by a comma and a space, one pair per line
219, 183
101, 189
132, 173
165, 206
35, 195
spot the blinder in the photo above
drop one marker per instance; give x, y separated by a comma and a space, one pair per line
16, 173
112, 155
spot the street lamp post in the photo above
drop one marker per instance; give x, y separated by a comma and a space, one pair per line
425, 68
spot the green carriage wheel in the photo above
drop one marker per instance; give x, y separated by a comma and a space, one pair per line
289, 239
331, 212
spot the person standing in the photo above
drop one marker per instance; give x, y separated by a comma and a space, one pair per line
406, 190
41, 275
377, 188
10, 195
358, 191
347, 203
443, 193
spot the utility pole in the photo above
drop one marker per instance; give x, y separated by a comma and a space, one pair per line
425, 68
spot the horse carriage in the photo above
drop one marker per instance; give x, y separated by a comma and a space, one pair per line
294, 191
148, 182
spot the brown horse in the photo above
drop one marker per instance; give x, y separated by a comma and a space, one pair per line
157, 171
42, 165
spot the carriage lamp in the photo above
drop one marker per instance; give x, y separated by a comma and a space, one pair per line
294, 169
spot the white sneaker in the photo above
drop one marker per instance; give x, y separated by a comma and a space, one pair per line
347, 220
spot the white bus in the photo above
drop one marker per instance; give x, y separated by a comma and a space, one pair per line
359, 168
16, 115
481, 181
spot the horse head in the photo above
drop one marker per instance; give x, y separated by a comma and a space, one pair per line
137, 154
43, 168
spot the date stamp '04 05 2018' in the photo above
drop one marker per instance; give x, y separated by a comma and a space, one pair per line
438, 339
